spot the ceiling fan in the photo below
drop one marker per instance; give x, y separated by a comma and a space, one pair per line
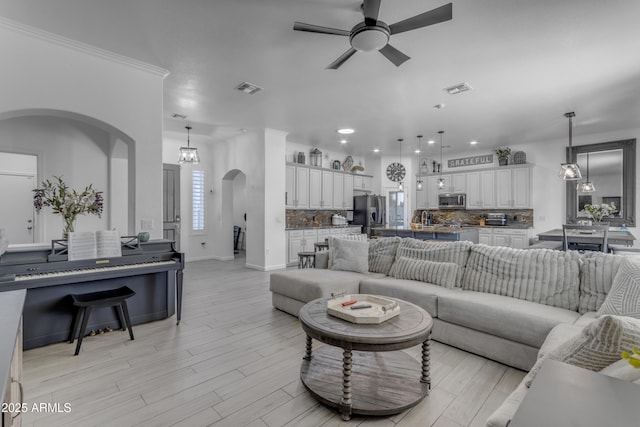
372, 34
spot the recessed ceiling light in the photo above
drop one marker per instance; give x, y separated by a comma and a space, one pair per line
343, 141
376, 150
456, 89
187, 102
417, 151
431, 141
473, 142
346, 131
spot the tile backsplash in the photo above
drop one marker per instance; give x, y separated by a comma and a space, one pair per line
522, 217
310, 217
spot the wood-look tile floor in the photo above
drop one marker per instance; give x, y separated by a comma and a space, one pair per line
233, 361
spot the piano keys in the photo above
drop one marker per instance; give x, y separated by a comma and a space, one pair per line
154, 270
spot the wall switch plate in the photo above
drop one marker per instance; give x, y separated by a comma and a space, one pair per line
146, 224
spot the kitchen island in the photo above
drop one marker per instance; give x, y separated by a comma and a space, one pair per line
431, 232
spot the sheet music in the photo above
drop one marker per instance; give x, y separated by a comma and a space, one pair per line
108, 244
82, 245
92, 245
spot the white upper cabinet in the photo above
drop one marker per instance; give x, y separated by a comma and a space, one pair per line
513, 188
338, 190
315, 188
290, 179
481, 190
327, 190
302, 187
348, 191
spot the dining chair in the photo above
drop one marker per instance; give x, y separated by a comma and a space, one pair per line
585, 237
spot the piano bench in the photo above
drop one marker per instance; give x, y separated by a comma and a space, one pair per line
87, 302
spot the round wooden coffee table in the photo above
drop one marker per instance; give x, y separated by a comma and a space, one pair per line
368, 377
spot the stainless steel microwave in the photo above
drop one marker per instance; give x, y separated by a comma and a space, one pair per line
452, 201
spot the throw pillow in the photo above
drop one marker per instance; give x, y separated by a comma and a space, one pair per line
350, 255
599, 345
622, 370
624, 297
382, 254
438, 273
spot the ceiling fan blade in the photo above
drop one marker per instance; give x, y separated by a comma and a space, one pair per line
435, 16
343, 58
394, 55
371, 8
301, 26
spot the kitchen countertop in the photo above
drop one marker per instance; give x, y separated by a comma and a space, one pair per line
315, 227
441, 227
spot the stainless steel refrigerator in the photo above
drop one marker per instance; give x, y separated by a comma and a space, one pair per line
369, 211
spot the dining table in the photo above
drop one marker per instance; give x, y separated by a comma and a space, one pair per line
616, 237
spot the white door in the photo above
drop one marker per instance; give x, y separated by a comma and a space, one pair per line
16, 216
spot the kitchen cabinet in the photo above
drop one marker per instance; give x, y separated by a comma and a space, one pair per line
327, 190
300, 241
297, 187
427, 197
347, 195
338, 190
509, 237
513, 188
315, 189
454, 183
362, 182
481, 190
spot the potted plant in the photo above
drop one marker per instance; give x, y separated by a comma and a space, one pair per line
357, 169
503, 155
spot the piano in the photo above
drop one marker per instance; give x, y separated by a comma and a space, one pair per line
154, 270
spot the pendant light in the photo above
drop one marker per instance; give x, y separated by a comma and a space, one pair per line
441, 179
570, 171
188, 154
400, 186
587, 186
418, 151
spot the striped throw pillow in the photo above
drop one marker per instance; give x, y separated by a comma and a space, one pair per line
624, 297
437, 273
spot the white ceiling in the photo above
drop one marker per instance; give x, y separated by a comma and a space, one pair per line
527, 61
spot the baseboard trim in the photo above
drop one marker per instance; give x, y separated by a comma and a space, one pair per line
266, 268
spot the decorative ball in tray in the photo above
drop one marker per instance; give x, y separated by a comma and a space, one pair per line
363, 308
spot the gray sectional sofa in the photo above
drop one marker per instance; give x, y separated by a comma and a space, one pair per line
506, 304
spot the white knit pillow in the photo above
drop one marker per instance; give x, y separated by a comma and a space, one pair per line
437, 273
624, 297
599, 345
350, 255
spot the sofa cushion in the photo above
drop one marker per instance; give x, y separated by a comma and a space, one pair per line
624, 297
598, 345
429, 250
597, 271
544, 276
586, 318
558, 336
517, 320
349, 255
382, 254
310, 283
422, 294
437, 273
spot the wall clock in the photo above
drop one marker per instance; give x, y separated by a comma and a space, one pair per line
396, 172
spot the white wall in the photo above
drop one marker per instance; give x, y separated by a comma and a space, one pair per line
240, 200
42, 71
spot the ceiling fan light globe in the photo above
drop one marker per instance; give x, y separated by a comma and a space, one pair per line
368, 39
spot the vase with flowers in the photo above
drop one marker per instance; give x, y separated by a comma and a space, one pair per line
67, 202
597, 212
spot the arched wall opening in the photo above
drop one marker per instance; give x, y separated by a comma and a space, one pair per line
234, 212
83, 151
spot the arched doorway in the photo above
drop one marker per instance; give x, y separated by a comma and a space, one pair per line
234, 212
84, 151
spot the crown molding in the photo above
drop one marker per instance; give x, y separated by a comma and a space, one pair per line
81, 47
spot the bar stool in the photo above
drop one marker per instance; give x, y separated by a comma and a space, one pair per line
306, 259
87, 302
